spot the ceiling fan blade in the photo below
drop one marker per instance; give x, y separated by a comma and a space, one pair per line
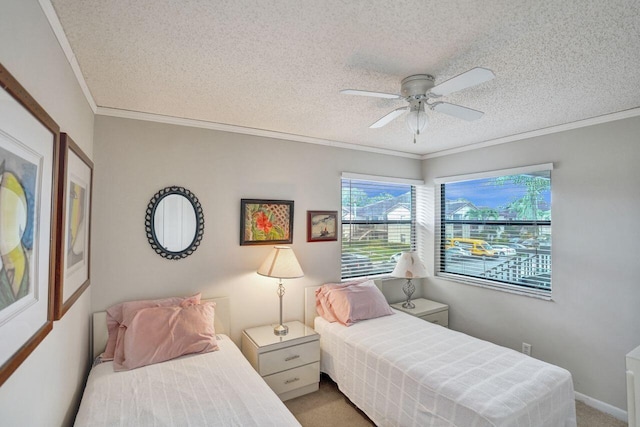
473, 77
458, 111
389, 117
369, 93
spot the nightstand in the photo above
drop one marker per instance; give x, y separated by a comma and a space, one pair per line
290, 364
430, 311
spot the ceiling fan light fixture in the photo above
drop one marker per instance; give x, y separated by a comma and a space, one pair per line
417, 119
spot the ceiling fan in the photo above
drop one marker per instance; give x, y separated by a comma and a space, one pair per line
419, 91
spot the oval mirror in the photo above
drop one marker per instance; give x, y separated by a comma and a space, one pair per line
174, 222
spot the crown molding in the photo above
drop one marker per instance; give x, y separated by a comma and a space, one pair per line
633, 112
56, 26
137, 115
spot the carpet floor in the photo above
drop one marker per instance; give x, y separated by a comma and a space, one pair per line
329, 407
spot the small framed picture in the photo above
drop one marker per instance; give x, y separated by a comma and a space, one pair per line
322, 226
74, 192
266, 222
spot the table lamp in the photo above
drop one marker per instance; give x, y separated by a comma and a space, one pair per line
409, 267
281, 264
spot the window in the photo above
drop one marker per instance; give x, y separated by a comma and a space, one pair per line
378, 223
495, 229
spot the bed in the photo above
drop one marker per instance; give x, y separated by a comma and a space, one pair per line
403, 371
219, 388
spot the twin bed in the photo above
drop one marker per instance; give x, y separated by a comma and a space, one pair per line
219, 388
398, 369
403, 371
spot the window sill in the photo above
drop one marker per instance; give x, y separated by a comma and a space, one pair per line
497, 286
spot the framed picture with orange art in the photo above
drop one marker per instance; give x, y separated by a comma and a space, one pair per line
28, 220
322, 226
266, 222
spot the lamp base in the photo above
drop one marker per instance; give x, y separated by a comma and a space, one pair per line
408, 290
281, 330
408, 304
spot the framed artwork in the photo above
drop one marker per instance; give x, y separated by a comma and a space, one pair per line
28, 169
74, 194
266, 222
322, 226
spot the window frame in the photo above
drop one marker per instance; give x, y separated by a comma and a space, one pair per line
440, 235
412, 183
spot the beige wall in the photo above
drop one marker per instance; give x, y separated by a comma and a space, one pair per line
45, 389
593, 320
135, 159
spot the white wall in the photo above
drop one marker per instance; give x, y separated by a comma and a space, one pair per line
135, 159
44, 390
594, 318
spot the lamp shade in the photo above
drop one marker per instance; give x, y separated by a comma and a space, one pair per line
410, 266
281, 263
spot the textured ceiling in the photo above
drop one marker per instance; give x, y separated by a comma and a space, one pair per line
279, 65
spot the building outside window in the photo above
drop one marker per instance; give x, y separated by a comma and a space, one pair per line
495, 229
378, 223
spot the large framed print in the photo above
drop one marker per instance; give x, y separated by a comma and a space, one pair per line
28, 167
266, 222
74, 226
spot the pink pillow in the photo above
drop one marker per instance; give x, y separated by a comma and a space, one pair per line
157, 334
115, 316
323, 307
350, 304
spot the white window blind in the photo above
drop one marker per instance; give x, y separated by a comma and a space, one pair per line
495, 229
378, 223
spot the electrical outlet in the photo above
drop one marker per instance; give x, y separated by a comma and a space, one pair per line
526, 348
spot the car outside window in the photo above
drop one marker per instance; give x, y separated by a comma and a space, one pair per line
504, 222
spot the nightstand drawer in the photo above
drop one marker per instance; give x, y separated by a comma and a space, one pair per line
292, 379
290, 357
441, 318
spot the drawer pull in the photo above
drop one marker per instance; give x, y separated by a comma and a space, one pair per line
290, 358
293, 380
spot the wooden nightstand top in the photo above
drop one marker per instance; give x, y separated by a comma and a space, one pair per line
263, 336
423, 307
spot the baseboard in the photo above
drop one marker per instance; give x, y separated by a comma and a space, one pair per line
603, 407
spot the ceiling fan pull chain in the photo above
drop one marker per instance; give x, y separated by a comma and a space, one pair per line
417, 123
418, 118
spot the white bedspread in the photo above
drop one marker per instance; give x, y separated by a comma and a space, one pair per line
403, 371
213, 389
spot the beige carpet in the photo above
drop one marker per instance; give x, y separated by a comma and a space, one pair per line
329, 407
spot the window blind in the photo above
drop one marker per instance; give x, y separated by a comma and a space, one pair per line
378, 223
497, 230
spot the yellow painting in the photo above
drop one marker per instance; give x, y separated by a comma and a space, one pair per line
17, 187
76, 224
